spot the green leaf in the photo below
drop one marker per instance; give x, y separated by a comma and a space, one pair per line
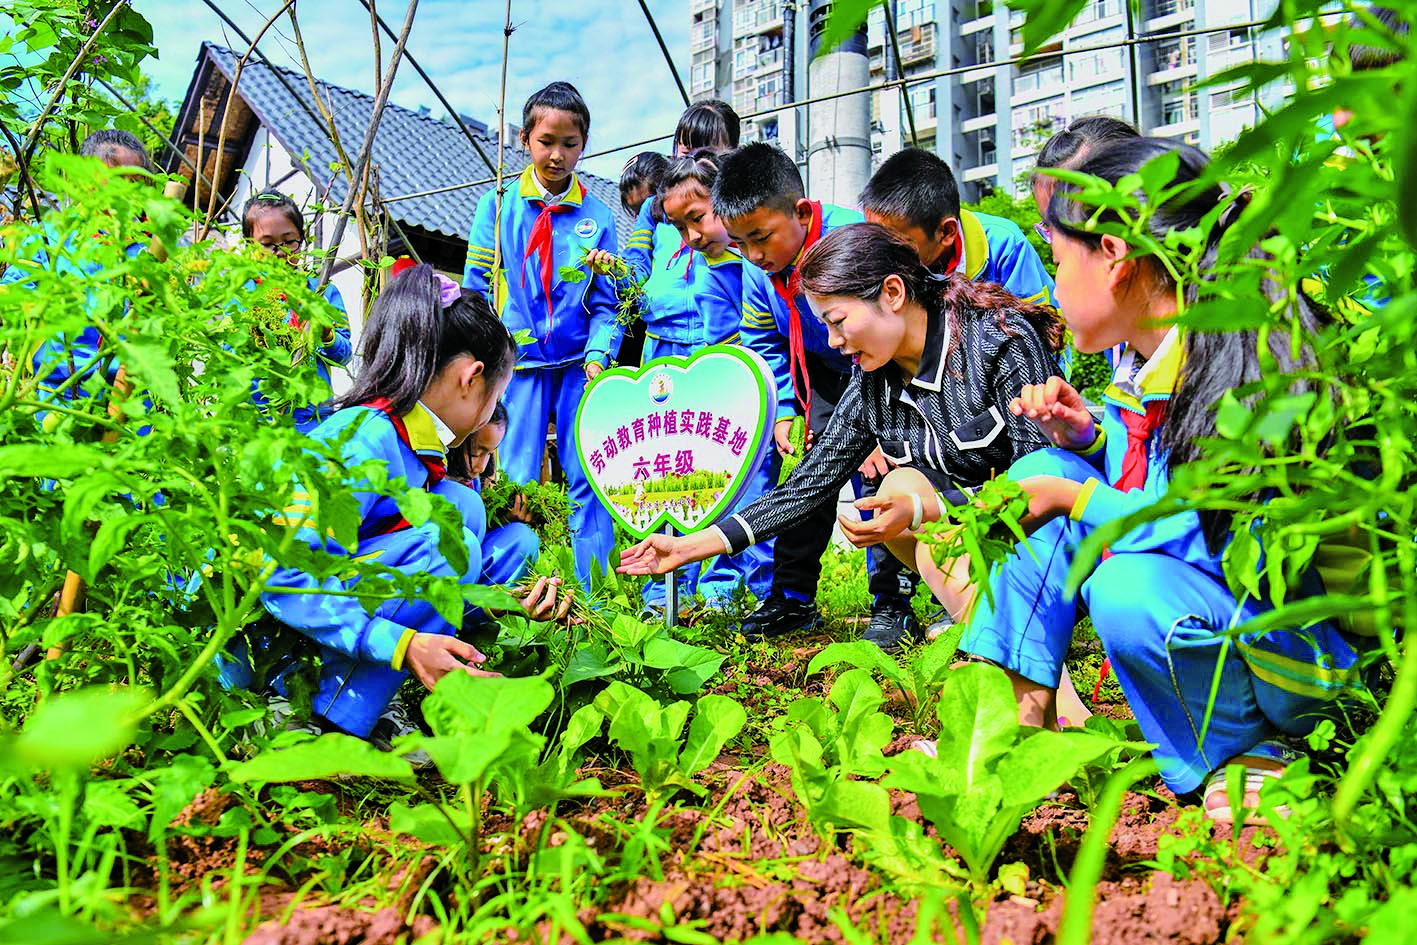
52, 460
462, 759
1044, 19
74, 730
150, 365
426, 822
845, 19
978, 720
590, 662
717, 719
1044, 760
863, 655
482, 706
689, 667
325, 757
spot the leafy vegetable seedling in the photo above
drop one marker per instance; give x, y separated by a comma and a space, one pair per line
985, 530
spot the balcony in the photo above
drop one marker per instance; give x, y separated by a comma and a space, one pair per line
758, 17
981, 172
702, 6
979, 122
917, 44
1168, 13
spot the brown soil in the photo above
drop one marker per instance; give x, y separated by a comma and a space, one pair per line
338, 925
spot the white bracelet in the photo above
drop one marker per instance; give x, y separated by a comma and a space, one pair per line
919, 508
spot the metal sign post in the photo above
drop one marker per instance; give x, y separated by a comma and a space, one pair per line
671, 592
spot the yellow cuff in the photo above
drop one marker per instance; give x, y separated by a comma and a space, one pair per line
1080, 503
1098, 442
401, 650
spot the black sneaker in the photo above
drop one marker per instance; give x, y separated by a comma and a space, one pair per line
780, 614
892, 623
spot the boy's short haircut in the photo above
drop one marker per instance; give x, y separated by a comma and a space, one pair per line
271, 201
1366, 58
107, 144
644, 169
1071, 146
558, 96
711, 123
913, 185
756, 175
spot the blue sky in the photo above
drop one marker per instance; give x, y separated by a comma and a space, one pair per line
604, 47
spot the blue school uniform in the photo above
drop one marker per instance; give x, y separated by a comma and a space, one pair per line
362, 653
537, 239
508, 551
64, 363
338, 351
1159, 603
995, 250
768, 315
659, 258
716, 291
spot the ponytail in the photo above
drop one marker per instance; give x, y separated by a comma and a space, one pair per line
412, 334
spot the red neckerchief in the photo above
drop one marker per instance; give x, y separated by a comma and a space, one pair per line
1139, 430
949, 260
786, 289
540, 242
684, 247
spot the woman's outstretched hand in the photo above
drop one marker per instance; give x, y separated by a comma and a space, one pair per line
657, 554
1059, 411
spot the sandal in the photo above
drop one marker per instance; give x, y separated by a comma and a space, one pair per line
1216, 793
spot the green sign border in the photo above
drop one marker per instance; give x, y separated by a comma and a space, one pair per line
767, 400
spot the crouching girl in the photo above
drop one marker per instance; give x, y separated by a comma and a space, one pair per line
436, 361
1158, 599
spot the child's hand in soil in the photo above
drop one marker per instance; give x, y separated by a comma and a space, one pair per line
547, 600
431, 656
1059, 411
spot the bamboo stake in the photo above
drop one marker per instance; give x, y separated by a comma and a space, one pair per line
501, 159
366, 152
226, 114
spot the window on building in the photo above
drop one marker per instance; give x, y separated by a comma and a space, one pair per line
922, 101
1035, 124
914, 13
1098, 10
1084, 67
984, 92
1038, 74
984, 46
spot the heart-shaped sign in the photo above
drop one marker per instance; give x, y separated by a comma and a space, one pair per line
676, 441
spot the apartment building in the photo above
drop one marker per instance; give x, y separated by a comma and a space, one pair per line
989, 122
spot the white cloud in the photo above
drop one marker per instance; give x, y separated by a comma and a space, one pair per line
604, 47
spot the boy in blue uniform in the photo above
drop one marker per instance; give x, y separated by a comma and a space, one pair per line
759, 196
549, 220
914, 193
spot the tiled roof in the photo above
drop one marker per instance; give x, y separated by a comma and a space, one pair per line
413, 152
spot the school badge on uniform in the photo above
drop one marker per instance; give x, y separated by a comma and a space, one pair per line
676, 441
587, 228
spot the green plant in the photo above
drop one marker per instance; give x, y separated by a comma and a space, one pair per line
988, 771
919, 680
630, 298
653, 735
986, 530
546, 503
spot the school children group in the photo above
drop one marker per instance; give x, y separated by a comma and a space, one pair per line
924, 347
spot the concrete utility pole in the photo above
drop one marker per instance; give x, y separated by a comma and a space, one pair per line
839, 155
